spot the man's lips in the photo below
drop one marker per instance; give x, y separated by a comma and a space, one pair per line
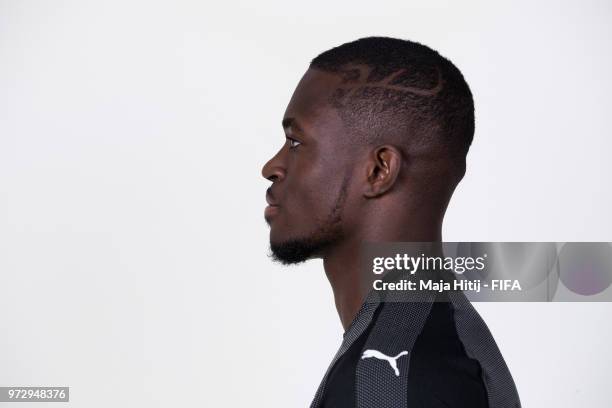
272, 208
270, 211
270, 198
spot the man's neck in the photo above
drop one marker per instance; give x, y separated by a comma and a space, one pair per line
342, 267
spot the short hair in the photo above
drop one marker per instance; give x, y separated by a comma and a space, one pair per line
393, 86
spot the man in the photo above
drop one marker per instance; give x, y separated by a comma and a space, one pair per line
377, 134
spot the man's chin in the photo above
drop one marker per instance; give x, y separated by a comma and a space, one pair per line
295, 251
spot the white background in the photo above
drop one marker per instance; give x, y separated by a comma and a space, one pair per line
133, 250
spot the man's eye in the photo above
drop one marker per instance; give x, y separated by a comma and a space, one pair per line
293, 143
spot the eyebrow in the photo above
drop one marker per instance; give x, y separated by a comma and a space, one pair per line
292, 123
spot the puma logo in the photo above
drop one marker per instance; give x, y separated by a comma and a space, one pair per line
391, 360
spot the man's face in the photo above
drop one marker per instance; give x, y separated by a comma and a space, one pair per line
309, 174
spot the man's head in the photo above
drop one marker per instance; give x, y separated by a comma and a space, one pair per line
376, 131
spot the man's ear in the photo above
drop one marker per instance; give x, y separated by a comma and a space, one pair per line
382, 169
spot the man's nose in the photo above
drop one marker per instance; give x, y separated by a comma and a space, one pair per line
274, 170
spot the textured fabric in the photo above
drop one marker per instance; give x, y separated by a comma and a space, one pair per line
359, 324
440, 373
396, 328
480, 345
340, 385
